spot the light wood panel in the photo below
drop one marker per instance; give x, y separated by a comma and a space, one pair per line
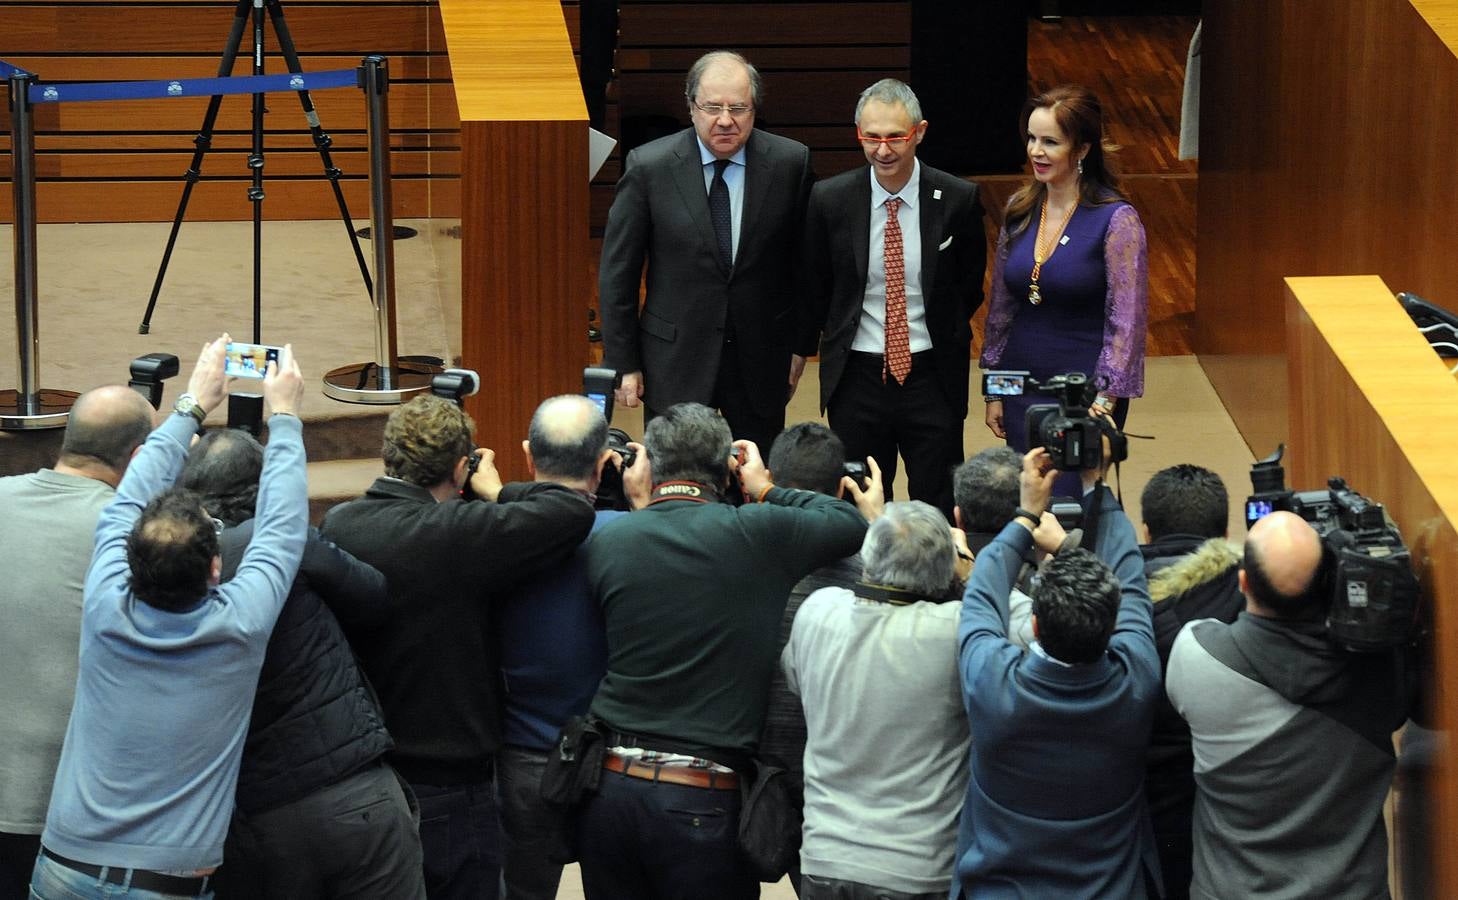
1363, 388
524, 212
1326, 149
101, 162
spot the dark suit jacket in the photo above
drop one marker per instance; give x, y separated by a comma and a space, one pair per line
434, 658
836, 255
660, 216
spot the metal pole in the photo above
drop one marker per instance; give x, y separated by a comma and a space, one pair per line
22, 151
382, 217
30, 406
386, 379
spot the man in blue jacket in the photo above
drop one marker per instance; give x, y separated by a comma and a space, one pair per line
1055, 805
169, 659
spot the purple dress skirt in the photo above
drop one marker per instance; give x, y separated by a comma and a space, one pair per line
1093, 318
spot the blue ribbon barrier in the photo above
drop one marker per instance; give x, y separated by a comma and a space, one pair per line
193, 87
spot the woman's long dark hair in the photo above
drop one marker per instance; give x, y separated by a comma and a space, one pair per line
1081, 119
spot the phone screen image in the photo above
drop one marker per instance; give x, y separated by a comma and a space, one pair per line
1005, 385
249, 360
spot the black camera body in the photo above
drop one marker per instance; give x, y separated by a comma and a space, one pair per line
1072, 437
1374, 595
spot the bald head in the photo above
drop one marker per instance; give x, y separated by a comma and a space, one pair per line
567, 438
1282, 558
105, 426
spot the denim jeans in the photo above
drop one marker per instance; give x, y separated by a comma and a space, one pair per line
53, 881
645, 840
535, 834
461, 841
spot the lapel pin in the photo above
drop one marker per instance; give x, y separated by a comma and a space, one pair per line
937, 194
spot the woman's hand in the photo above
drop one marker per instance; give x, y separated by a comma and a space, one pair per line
994, 419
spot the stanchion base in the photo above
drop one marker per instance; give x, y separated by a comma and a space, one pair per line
362, 383
51, 410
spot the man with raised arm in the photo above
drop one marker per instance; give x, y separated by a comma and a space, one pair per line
169, 659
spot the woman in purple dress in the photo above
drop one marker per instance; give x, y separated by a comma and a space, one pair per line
1070, 281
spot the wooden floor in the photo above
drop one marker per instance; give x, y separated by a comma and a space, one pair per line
1136, 65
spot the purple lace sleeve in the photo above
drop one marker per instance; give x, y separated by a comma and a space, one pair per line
1000, 308
1120, 369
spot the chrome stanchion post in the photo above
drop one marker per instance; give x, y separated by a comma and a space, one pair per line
385, 380
29, 407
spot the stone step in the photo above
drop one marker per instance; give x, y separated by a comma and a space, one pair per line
334, 481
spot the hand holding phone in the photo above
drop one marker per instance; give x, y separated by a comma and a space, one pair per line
249, 360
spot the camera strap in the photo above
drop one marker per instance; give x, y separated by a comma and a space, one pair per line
885, 593
692, 491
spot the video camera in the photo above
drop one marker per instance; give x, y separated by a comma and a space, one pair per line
1065, 429
1374, 595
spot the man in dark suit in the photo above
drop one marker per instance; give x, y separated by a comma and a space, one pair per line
894, 351
714, 211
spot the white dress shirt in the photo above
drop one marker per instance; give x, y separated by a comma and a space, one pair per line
871, 334
734, 178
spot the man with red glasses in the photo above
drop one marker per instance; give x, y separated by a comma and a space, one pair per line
715, 212
894, 255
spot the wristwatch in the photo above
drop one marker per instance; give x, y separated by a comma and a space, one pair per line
187, 404
1033, 518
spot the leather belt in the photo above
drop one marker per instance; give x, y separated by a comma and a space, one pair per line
687, 775
142, 879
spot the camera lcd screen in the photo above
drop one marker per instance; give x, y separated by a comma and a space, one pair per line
249, 360
1255, 509
1003, 384
601, 401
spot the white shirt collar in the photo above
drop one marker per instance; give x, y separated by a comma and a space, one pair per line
908, 193
1037, 648
706, 157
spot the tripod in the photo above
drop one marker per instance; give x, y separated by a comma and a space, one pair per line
204, 140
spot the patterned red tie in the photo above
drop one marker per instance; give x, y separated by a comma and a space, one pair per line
897, 359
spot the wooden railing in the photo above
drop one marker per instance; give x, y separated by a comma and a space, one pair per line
1372, 402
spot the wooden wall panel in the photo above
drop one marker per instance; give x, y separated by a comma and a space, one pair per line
123, 161
1325, 149
1363, 388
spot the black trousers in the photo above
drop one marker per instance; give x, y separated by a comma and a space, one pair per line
881, 418
735, 402
356, 838
816, 887
17, 859
645, 840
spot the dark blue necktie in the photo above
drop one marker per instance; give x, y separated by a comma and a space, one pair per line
719, 213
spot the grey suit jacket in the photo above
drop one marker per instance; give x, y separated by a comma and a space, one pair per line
660, 216
836, 256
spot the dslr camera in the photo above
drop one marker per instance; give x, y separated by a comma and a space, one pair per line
598, 385
1064, 428
1373, 594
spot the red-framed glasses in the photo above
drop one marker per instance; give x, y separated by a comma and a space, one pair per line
893, 142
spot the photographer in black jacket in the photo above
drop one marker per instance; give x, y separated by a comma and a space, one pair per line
319, 813
435, 659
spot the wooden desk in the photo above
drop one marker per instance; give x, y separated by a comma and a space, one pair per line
524, 212
1372, 402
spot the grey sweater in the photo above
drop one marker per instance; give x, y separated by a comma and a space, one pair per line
886, 754
46, 524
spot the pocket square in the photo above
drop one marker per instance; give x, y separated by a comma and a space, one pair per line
945, 244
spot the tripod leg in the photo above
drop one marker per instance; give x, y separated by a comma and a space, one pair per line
322, 141
255, 162
203, 142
